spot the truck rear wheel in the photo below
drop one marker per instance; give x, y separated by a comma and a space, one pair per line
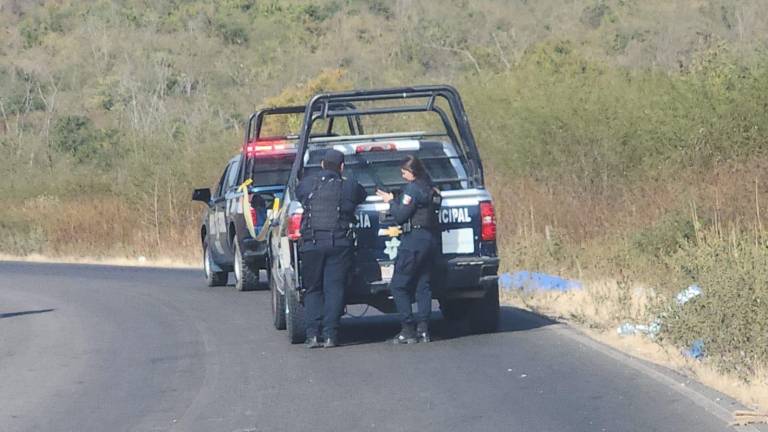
212, 278
294, 317
455, 310
278, 304
246, 278
484, 312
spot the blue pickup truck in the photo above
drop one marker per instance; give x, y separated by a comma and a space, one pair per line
375, 130
234, 228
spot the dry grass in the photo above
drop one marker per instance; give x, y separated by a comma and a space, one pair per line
601, 306
102, 228
164, 262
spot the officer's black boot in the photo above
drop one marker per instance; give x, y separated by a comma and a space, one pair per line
422, 332
331, 342
406, 336
312, 342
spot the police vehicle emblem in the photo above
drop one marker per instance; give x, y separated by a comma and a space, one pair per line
391, 249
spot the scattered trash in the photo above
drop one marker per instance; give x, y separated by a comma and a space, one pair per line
687, 294
532, 281
696, 351
523, 375
142, 259
744, 417
627, 329
651, 330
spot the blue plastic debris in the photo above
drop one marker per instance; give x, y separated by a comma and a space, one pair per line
687, 294
532, 281
696, 350
505, 281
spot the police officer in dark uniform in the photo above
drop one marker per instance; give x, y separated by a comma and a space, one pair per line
416, 210
326, 244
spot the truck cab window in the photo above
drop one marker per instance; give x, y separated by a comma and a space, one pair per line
232, 174
221, 182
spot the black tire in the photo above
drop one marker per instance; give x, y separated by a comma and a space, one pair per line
246, 277
484, 312
212, 278
455, 310
294, 317
278, 304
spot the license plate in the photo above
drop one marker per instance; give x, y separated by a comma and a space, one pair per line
459, 241
387, 271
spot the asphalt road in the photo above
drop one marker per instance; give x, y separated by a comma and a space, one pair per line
92, 348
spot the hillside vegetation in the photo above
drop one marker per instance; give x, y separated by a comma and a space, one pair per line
623, 138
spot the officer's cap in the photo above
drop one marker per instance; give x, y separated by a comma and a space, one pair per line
333, 156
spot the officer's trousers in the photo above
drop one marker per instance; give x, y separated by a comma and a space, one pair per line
411, 277
324, 270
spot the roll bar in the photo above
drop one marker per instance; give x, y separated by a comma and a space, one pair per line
327, 106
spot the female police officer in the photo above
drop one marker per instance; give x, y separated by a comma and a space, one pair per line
416, 210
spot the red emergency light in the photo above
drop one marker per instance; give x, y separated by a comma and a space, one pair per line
268, 145
375, 147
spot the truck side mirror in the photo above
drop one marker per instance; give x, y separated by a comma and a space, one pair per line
202, 195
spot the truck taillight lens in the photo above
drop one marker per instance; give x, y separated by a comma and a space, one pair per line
294, 226
487, 221
254, 217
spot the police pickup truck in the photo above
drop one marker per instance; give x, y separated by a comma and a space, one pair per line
465, 273
233, 232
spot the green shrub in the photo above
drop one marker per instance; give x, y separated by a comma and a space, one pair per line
75, 136
731, 316
665, 236
19, 237
593, 15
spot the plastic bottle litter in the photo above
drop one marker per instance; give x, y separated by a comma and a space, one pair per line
650, 330
627, 329
654, 328
687, 294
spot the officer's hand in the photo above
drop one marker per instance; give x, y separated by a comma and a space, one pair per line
385, 196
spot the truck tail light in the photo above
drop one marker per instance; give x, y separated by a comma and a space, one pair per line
487, 221
294, 226
254, 217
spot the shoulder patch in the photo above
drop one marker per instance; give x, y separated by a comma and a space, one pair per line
407, 199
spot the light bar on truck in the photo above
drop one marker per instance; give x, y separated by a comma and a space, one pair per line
264, 146
375, 147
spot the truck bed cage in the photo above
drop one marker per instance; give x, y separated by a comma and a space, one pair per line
343, 104
256, 120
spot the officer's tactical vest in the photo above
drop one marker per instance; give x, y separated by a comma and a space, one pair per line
427, 208
322, 210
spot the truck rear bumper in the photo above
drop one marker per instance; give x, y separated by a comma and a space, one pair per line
455, 278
